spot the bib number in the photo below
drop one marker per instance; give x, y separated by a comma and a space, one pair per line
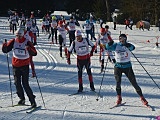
82, 49
20, 52
122, 55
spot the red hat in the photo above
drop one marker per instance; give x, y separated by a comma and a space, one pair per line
60, 22
102, 30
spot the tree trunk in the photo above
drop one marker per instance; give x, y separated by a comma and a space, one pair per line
108, 13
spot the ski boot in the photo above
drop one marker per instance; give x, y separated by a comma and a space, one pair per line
33, 102
102, 68
92, 86
60, 54
144, 101
119, 100
21, 102
80, 88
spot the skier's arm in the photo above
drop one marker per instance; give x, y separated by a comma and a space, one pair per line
69, 52
37, 30
93, 47
130, 46
77, 23
31, 49
101, 25
7, 46
111, 47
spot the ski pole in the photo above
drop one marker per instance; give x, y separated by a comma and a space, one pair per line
145, 69
102, 81
9, 75
40, 91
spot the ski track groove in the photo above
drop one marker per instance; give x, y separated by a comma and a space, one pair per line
51, 62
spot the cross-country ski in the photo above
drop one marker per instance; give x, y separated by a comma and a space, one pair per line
31, 110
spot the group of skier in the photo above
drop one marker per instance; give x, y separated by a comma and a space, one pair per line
23, 50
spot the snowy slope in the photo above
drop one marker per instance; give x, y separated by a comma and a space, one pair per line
57, 80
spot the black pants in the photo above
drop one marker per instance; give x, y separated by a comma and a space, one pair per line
71, 36
21, 81
14, 28
130, 75
80, 65
60, 43
53, 34
114, 25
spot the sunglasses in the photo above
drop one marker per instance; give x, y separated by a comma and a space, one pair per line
122, 38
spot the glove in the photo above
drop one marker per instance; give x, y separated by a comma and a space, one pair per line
68, 61
111, 43
28, 48
102, 46
91, 53
5, 44
95, 51
4, 48
109, 58
114, 61
35, 43
127, 45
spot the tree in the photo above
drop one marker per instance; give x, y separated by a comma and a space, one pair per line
108, 10
141, 9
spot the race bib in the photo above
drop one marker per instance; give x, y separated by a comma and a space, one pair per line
82, 49
20, 52
72, 27
122, 55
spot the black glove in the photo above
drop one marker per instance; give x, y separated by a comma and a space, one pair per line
109, 58
35, 43
4, 48
95, 51
28, 47
91, 53
68, 61
113, 60
111, 43
127, 45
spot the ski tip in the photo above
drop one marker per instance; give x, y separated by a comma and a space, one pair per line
76, 93
150, 107
117, 105
33, 109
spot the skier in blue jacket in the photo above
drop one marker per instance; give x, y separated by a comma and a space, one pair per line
123, 65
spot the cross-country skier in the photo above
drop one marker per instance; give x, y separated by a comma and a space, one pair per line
72, 28
29, 35
123, 65
89, 29
103, 39
62, 37
22, 49
53, 33
81, 46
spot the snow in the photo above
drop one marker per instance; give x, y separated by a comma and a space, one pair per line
57, 80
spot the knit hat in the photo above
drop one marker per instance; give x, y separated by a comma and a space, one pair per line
19, 32
102, 30
60, 22
77, 33
123, 36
